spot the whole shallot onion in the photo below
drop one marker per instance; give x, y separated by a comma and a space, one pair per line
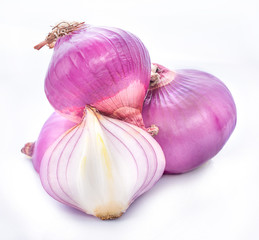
195, 114
107, 68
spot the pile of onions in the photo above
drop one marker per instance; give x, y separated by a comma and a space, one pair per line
97, 152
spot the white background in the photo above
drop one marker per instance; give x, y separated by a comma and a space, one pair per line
220, 200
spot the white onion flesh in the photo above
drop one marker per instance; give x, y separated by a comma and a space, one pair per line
101, 165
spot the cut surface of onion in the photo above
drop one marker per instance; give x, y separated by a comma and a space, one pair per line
195, 114
53, 128
101, 165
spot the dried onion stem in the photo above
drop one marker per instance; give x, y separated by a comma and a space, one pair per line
60, 30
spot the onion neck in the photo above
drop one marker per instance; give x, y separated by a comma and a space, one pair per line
160, 76
60, 30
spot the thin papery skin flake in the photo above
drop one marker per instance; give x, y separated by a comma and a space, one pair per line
107, 68
52, 129
101, 165
195, 114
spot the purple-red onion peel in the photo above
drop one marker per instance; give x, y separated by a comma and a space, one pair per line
195, 114
107, 68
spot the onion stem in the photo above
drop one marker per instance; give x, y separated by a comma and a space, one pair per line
60, 30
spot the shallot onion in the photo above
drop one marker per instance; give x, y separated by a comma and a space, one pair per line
99, 166
195, 114
107, 68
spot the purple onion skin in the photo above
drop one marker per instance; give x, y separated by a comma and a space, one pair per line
195, 114
54, 127
93, 66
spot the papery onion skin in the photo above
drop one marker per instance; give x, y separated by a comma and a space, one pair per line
99, 166
195, 114
52, 129
107, 68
